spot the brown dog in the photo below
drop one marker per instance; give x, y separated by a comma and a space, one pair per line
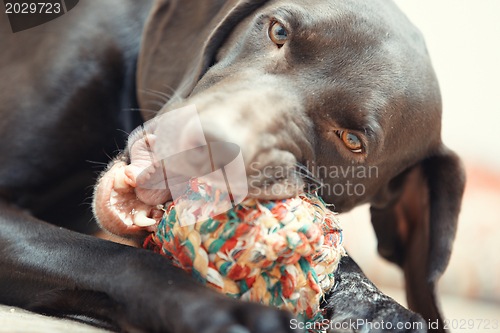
315, 83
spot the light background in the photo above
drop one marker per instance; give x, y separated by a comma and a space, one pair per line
463, 39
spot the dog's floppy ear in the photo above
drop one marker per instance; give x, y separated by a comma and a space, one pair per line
180, 41
415, 219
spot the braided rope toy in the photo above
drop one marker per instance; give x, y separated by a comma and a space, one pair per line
282, 253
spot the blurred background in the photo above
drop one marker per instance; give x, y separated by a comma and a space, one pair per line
463, 39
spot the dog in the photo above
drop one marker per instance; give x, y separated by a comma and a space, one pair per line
327, 83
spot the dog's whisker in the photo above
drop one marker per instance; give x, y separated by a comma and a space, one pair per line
159, 93
174, 92
308, 177
176, 97
308, 172
123, 131
142, 110
303, 167
96, 162
161, 105
86, 202
153, 93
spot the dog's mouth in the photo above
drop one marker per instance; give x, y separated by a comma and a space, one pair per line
118, 205
130, 196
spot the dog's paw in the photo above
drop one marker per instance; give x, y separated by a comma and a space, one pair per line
356, 305
233, 316
155, 296
208, 315
382, 316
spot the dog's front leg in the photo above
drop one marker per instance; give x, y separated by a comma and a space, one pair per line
55, 271
356, 305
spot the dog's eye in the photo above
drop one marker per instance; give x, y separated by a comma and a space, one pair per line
278, 33
351, 141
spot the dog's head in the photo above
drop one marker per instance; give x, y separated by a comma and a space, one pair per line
338, 92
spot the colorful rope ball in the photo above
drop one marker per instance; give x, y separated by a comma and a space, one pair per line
282, 253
